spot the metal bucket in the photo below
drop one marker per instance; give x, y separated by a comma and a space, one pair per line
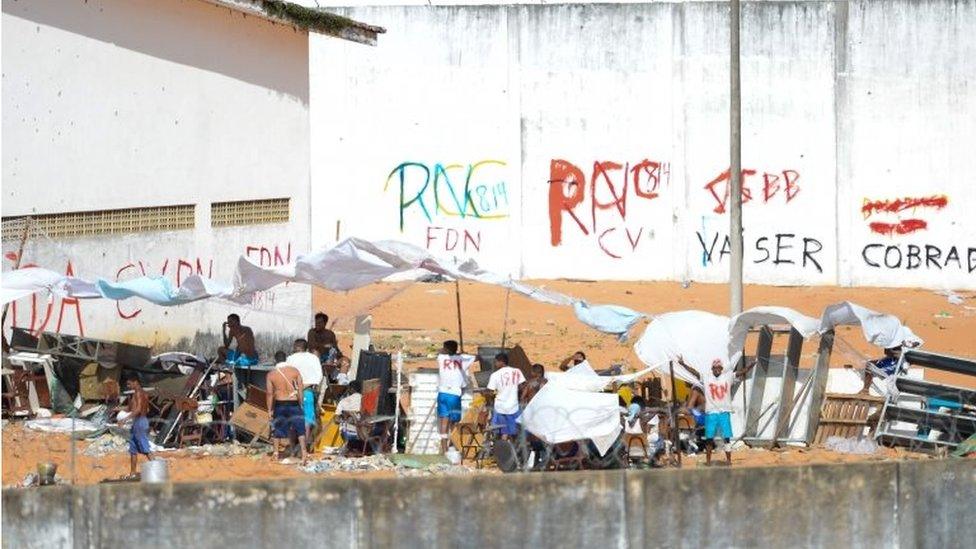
45, 473
155, 472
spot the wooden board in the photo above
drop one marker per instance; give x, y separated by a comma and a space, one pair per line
845, 415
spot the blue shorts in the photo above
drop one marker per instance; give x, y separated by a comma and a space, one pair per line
308, 405
288, 419
699, 416
237, 359
718, 421
508, 422
449, 406
139, 440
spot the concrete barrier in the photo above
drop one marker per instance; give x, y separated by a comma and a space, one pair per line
911, 504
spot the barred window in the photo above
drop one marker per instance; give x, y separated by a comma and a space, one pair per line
102, 222
249, 212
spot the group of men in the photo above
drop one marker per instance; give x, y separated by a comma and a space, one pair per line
296, 380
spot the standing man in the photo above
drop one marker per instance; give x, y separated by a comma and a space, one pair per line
139, 439
505, 381
322, 339
284, 387
718, 405
537, 380
310, 368
453, 371
245, 354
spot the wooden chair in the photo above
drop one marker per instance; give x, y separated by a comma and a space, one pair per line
373, 431
190, 432
16, 399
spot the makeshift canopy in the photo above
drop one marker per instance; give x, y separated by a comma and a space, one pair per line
351, 264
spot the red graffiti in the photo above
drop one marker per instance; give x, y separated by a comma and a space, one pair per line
773, 184
268, 257
900, 226
900, 204
610, 185
905, 226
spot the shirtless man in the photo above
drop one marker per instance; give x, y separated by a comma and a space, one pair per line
322, 339
537, 379
245, 354
284, 387
139, 439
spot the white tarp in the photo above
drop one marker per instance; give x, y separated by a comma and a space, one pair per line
559, 414
761, 316
880, 329
582, 377
697, 336
351, 264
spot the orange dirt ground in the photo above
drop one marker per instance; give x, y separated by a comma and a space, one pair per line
420, 316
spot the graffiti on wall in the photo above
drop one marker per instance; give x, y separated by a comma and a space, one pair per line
780, 185
451, 192
598, 206
903, 216
895, 223
774, 249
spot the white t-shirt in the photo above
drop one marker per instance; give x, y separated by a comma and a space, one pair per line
452, 373
718, 391
309, 366
505, 382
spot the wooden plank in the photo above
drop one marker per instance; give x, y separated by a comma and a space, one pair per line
759, 374
791, 368
819, 383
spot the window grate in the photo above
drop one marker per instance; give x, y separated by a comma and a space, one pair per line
103, 222
249, 212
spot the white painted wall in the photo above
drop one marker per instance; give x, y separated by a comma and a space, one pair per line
843, 102
133, 103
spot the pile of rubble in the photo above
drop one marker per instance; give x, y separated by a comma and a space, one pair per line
334, 464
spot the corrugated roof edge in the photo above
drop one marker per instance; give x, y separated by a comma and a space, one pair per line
309, 19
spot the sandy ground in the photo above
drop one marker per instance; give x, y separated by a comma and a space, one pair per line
23, 449
420, 316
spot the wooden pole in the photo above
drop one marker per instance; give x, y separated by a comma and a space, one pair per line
675, 435
457, 297
20, 255
508, 294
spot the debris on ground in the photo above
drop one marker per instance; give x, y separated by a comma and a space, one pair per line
406, 468
851, 445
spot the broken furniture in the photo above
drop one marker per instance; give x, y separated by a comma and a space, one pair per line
781, 373
372, 430
947, 414
471, 430
27, 384
845, 415
252, 416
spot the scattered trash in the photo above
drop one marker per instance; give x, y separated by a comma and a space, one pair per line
404, 466
952, 297
685, 284
942, 314
114, 443
851, 445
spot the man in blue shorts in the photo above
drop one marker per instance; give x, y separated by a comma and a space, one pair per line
139, 439
505, 381
453, 373
284, 389
718, 405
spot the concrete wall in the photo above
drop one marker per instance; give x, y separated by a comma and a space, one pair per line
910, 504
464, 128
135, 103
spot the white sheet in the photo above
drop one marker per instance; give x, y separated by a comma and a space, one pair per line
559, 414
880, 329
697, 336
